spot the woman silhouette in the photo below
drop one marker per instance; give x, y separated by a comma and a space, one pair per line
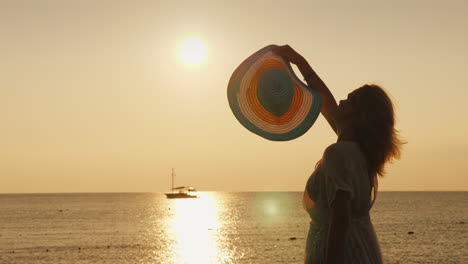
341, 190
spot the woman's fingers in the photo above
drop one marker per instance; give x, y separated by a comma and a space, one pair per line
288, 53
282, 49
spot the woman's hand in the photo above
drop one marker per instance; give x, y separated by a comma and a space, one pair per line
289, 54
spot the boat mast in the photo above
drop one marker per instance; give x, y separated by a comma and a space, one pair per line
173, 179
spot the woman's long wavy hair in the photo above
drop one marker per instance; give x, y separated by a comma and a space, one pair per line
374, 127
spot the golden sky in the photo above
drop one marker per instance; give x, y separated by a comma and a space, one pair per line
94, 96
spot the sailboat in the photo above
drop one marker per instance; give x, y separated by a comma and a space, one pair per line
181, 191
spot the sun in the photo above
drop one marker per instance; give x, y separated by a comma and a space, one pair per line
192, 51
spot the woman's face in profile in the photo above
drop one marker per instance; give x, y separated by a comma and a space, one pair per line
345, 117
346, 108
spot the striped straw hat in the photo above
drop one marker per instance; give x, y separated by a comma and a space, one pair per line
269, 99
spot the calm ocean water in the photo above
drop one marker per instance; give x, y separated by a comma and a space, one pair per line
216, 228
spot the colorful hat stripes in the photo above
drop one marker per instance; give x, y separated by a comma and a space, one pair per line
269, 100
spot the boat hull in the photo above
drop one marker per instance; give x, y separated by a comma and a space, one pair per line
179, 195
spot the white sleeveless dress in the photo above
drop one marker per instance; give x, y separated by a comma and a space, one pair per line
343, 167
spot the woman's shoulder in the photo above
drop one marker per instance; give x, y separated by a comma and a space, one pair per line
343, 152
341, 148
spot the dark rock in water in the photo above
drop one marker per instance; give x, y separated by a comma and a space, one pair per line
108, 246
292, 238
461, 222
47, 250
79, 248
277, 239
410, 232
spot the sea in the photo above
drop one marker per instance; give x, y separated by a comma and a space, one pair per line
218, 227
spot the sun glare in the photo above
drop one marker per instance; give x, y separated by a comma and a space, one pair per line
192, 52
194, 229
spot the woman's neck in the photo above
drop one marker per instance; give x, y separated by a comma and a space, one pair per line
346, 135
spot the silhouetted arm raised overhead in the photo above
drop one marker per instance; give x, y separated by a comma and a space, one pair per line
329, 105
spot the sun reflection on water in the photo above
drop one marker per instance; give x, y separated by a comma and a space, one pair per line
194, 229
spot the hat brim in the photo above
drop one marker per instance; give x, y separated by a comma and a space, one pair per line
302, 110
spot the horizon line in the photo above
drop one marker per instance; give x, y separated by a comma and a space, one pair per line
155, 192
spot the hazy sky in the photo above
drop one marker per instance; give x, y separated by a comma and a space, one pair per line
93, 95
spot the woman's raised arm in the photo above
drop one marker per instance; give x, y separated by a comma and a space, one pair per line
329, 105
